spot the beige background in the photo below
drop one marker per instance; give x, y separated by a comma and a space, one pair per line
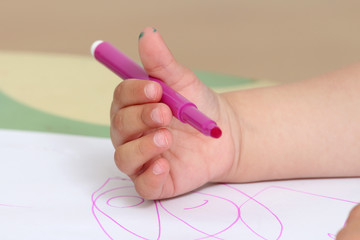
277, 39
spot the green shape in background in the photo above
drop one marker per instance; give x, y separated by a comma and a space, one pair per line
15, 115
217, 80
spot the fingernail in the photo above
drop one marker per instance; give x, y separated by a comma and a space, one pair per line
150, 91
160, 139
154, 29
156, 115
141, 34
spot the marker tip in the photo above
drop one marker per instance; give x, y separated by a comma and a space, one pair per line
215, 132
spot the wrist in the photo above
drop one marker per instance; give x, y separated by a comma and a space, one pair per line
231, 140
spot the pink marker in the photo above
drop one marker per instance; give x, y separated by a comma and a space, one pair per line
182, 109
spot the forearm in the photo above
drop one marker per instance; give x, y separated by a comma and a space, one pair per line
305, 129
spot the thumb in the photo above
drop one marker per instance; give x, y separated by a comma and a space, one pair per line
160, 63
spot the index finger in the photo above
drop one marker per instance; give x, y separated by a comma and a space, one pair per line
135, 92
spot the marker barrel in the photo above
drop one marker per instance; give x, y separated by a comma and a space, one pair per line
181, 108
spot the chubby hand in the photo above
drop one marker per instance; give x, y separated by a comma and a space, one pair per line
163, 156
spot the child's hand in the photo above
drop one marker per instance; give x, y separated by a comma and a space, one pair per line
163, 156
351, 231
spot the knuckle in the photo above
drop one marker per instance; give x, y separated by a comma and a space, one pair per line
160, 67
123, 91
146, 115
138, 114
120, 162
118, 157
144, 192
118, 90
129, 92
140, 149
166, 113
118, 121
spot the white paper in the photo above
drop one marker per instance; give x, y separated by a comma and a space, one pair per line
55, 186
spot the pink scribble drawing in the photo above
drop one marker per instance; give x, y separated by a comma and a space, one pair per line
252, 198
118, 193
125, 196
95, 197
205, 202
207, 235
12, 206
332, 236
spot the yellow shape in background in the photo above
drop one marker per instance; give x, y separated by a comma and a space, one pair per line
72, 86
